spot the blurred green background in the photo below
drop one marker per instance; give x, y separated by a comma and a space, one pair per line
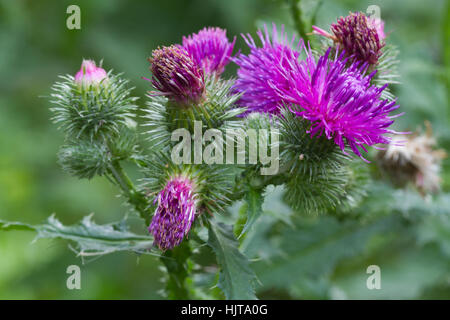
36, 46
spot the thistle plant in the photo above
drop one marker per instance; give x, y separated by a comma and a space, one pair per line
322, 107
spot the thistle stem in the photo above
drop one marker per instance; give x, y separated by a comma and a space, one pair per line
178, 269
136, 198
297, 16
121, 178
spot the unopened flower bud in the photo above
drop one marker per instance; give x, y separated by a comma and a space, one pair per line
90, 74
177, 76
175, 212
358, 35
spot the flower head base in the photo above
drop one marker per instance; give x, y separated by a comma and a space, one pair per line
210, 49
177, 76
338, 100
413, 159
90, 74
258, 76
359, 35
175, 213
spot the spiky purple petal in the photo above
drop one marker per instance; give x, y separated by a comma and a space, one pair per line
258, 75
174, 214
210, 49
339, 101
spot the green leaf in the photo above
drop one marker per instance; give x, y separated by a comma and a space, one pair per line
91, 239
254, 200
7, 226
312, 249
435, 227
236, 278
406, 271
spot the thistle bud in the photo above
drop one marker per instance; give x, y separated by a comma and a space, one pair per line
92, 104
90, 74
177, 76
175, 212
358, 35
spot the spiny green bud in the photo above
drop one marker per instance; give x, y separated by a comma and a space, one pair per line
92, 104
84, 159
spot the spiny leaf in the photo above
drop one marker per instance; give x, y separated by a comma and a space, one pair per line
236, 278
91, 239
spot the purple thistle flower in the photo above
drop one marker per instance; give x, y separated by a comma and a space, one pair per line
175, 213
338, 100
210, 49
258, 76
358, 35
177, 76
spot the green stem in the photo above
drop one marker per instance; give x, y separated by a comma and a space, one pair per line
297, 16
178, 267
136, 198
121, 178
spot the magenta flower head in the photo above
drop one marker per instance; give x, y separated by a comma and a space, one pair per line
337, 98
258, 75
90, 74
210, 49
378, 25
177, 76
175, 213
358, 35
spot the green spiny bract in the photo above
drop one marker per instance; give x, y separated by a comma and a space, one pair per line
124, 145
93, 111
317, 175
261, 122
213, 183
299, 152
331, 189
315, 194
387, 70
85, 159
216, 111
355, 188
